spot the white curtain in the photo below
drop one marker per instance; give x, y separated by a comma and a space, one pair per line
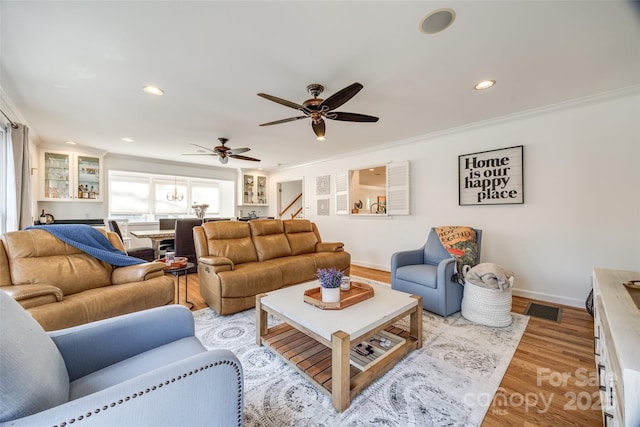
19, 213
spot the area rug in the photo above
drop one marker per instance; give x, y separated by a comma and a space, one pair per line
450, 381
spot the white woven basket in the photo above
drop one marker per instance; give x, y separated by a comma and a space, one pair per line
490, 307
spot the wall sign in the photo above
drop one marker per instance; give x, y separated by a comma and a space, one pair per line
491, 177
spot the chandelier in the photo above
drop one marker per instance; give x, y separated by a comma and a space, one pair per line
175, 197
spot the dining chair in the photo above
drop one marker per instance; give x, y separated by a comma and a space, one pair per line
167, 245
184, 241
142, 252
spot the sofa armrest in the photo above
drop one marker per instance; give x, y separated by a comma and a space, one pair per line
137, 273
209, 383
329, 247
92, 346
34, 295
218, 263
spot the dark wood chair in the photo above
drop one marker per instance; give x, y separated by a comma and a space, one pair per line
167, 245
184, 241
145, 253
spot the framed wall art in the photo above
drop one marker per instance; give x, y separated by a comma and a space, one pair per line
491, 177
323, 207
322, 185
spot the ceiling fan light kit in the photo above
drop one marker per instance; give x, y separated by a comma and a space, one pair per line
318, 109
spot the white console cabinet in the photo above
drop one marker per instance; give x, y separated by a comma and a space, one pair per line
617, 347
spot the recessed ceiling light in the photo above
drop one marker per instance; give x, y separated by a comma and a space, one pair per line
127, 140
71, 142
153, 90
436, 21
485, 84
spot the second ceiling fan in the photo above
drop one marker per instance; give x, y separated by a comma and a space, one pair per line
223, 152
318, 109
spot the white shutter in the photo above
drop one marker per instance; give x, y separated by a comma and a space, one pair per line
342, 193
398, 188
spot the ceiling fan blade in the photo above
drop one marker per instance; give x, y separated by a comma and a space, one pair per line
199, 154
351, 117
236, 156
340, 97
282, 101
235, 151
205, 148
290, 119
319, 128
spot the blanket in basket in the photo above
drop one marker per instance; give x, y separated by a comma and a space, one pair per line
462, 244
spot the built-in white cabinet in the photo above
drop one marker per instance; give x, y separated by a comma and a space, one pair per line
69, 176
253, 190
617, 347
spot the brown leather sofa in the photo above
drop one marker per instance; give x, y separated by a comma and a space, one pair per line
239, 260
62, 286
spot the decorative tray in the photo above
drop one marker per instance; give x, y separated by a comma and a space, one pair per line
178, 262
358, 293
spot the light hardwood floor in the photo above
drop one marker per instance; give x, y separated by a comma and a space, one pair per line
551, 380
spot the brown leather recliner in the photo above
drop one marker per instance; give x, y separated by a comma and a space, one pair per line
62, 286
239, 260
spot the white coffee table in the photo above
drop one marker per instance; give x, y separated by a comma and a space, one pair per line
317, 343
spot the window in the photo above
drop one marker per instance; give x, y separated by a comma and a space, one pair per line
141, 197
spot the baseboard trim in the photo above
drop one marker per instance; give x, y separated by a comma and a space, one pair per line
371, 265
541, 296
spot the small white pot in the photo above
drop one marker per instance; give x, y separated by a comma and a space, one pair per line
330, 294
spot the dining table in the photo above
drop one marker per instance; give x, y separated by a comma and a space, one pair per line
156, 237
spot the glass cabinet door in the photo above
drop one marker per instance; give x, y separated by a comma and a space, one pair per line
262, 190
56, 176
247, 190
88, 177
254, 190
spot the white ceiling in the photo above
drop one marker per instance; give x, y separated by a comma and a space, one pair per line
74, 70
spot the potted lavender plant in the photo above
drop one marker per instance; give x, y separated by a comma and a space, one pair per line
330, 279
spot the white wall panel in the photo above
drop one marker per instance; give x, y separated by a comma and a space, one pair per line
582, 196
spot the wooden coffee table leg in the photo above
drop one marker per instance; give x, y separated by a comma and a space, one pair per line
340, 371
261, 320
415, 322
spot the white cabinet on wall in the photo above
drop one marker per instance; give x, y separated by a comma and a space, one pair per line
69, 176
253, 190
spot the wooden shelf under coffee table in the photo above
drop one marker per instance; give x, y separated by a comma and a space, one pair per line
317, 342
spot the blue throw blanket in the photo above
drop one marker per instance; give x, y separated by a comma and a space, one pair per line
91, 241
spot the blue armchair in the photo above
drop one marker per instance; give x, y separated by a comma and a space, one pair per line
427, 272
141, 369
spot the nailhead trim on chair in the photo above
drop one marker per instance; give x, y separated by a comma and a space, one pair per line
162, 384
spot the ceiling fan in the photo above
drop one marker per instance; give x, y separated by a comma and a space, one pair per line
318, 109
224, 152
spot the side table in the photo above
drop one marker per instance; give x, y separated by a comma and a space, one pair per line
182, 271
